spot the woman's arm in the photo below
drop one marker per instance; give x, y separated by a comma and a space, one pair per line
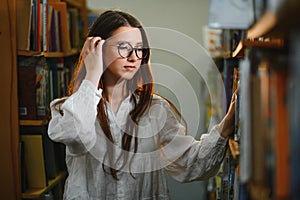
191, 159
73, 122
74, 125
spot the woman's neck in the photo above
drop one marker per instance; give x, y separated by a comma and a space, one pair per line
115, 91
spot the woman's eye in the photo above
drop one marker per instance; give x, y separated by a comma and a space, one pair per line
123, 47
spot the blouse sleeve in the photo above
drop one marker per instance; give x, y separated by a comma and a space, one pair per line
189, 159
75, 125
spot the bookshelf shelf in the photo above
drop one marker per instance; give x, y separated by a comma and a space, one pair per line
72, 52
272, 44
35, 193
60, 54
53, 54
28, 53
33, 122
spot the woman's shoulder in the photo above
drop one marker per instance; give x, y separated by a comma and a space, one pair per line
161, 101
56, 103
156, 98
58, 100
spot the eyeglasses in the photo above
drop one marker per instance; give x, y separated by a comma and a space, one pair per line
125, 50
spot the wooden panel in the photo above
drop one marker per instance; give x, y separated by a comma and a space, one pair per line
10, 175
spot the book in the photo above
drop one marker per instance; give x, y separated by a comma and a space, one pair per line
50, 156
42, 88
49, 25
282, 172
23, 170
60, 156
24, 12
44, 22
293, 99
257, 134
33, 87
74, 27
63, 24
27, 92
36, 21
56, 67
245, 122
237, 130
55, 38
48, 148
34, 161
34, 29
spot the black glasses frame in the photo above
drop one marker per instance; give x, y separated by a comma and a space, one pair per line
135, 49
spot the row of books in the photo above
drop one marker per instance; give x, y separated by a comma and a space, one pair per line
263, 160
41, 159
265, 132
48, 26
41, 80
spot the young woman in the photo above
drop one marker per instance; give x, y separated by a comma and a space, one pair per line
120, 137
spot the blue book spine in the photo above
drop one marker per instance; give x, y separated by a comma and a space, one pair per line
294, 116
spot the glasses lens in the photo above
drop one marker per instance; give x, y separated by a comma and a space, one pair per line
125, 50
140, 52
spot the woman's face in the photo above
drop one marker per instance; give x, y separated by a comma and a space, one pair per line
122, 53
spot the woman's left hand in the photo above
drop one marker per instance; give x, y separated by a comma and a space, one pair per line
226, 126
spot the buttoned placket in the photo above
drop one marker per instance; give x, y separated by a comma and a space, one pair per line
117, 123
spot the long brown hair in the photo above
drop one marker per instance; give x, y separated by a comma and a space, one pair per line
141, 85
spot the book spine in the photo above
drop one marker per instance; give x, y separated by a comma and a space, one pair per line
282, 175
293, 99
44, 25
39, 27
42, 83
245, 122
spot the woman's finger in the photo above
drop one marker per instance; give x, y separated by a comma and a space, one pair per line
94, 41
99, 45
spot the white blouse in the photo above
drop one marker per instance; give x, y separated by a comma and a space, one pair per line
163, 146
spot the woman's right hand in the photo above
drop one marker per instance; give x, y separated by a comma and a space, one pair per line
93, 59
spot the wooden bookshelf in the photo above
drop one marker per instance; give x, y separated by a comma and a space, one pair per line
35, 193
19, 43
267, 61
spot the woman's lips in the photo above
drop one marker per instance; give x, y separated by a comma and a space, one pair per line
129, 67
